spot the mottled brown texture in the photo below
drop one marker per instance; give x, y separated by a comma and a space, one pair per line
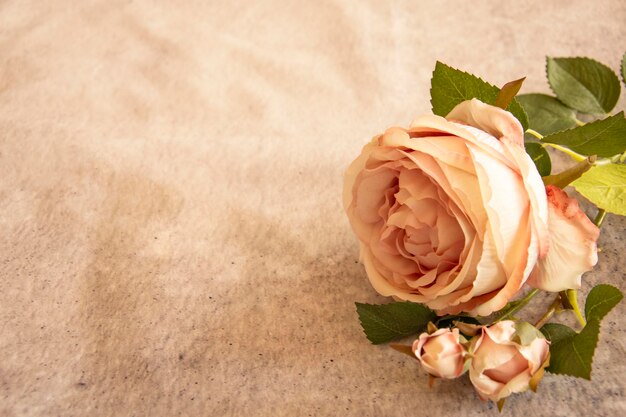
172, 236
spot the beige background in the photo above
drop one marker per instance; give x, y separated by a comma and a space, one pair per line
172, 239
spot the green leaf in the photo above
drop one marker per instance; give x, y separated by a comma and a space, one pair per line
385, 322
583, 84
605, 186
507, 93
556, 332
624, 69
574, 355
601, 299
604, 138
571, 353
540, 157
546, 114
450, 87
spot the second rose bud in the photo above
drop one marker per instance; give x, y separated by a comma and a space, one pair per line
442, 353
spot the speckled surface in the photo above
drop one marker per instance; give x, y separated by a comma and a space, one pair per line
172, 237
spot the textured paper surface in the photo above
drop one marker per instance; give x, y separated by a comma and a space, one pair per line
172, 236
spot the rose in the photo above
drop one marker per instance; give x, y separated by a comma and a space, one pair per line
506, 359
441, 353
452, 213
449, 213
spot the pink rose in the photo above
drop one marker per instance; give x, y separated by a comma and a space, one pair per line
505, 362
441, 353
450, 212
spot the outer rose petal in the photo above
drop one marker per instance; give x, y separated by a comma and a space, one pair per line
493, 120
353, 170
572, 245
500, 366
508, 130
520, 235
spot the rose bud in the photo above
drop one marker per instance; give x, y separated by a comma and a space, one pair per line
507, 357
441, 353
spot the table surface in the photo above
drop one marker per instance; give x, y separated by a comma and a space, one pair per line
173, 241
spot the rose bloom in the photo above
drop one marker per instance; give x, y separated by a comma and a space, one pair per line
441, 353
452, 212
500, 366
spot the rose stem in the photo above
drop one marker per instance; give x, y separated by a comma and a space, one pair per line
555, 304
518, 305
575, 156
573, 300
535, 133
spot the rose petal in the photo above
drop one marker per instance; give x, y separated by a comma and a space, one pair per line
501, 332
493, 120
383, 285
506, 202
534, 188
536, 353
573, 248
353, 171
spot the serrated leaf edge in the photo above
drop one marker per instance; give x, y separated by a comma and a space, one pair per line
577, 57
375, 319
618, 296
578, 355
384, 323
513, 101
613, 118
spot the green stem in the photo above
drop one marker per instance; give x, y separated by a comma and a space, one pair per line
515, 306
599, 218
535, 133
573, 300
603, 161
575, 156
549, 313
